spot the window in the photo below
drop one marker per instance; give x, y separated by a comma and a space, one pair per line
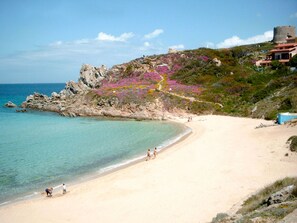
285, 56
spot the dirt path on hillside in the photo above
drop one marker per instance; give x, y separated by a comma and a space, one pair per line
192, 99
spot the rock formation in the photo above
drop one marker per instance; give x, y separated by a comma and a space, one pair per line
217, 62
277, 205
79, 98
90, 76
280, 196
67, 102
9, 104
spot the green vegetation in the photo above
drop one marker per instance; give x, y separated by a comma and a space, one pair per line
293, 61
227, 77
257, 200
237, 83
255, 208
293, 143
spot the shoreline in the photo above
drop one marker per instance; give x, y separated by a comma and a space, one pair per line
167, 144
223, 160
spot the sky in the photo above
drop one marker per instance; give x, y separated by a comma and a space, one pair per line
48, 41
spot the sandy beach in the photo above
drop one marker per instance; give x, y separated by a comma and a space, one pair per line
223, 161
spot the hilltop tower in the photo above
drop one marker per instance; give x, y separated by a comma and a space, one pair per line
282, 33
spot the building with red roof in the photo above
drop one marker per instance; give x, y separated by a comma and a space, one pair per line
281, 52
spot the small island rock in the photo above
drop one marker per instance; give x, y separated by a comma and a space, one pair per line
10, 105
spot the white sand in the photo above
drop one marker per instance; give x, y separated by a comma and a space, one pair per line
223, 161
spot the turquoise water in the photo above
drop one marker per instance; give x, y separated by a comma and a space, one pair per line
40, 149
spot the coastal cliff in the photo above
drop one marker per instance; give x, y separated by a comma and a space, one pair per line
140, 89
201, 81
81, 99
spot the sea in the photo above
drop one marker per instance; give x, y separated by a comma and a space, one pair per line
42, 149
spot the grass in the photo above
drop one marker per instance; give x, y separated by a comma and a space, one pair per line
273, 214
256, 201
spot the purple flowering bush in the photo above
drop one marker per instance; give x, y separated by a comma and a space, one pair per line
127, 89
175, 87
162, 69
132, 81
152, 77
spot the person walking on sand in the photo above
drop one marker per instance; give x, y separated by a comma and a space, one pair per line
64, 188
148, 155
155, 152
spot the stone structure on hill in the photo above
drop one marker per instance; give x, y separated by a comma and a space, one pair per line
172, 50
281, 34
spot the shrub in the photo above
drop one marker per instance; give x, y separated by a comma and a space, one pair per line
220, 218
275, 64
128, 71
293, 143
286, 104
293, 61
271, 115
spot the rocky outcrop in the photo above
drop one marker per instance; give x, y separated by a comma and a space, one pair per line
272, 209
81, 98
280, 196
9, 104
73, 101
88, 104
217, 62
90, 77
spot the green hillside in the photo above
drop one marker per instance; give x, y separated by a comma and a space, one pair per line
223, 81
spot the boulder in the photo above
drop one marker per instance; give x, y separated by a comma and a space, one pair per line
91, 76
280, 196
29, 98
55, 95
10, 105
71, 88
172, 50
217, 62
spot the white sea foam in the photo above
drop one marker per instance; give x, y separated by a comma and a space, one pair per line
4, 203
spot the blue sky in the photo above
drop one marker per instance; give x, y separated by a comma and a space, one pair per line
48, 41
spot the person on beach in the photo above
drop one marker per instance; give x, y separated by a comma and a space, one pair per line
64, 188
155, 152
148, 155
49, 192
